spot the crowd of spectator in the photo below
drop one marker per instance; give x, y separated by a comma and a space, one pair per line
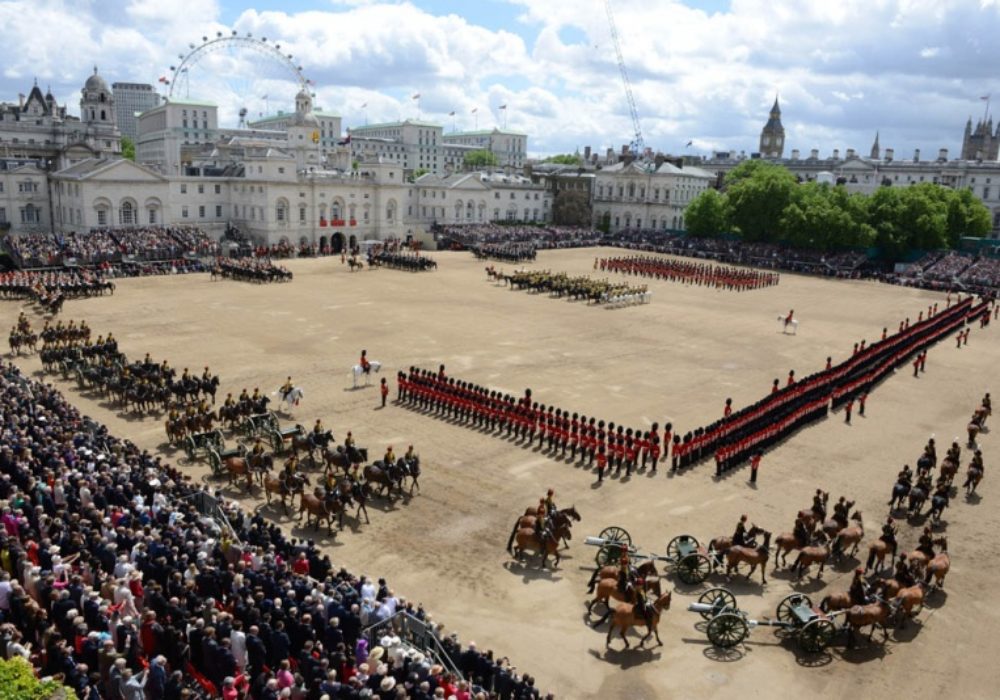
115, 581
103, 245
541, 237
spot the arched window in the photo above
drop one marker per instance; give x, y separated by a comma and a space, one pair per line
102, 115
281, 211
302, 214
126, 214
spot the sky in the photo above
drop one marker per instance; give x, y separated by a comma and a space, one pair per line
703, 72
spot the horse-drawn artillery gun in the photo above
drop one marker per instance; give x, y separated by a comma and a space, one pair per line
282, 439
685, 557
258, 424
728, 626
197, 444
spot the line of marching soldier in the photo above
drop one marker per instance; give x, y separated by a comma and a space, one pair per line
586, 439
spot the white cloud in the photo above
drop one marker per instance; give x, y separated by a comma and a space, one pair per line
843, 70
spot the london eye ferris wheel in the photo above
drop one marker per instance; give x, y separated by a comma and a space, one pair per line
241, 74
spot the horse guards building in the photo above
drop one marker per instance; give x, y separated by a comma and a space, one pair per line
294, 177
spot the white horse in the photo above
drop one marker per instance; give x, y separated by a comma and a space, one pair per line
357, 372
292, 399
794, 324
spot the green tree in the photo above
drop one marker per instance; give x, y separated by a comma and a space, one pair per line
885, 216
605, 224
480, 159
571, 208
18, 682
565, 159
967, 216
419, 172
707, 214
823, 217
128, 148
757, 193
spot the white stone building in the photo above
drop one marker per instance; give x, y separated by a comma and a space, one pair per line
642, 195
36, 128
24, 197
509, 147
478, 197
171, 136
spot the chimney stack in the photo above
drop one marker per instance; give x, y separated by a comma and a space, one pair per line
836, 154
850, 153
795, 154
916, 155
943, 155
814, 154
888, 155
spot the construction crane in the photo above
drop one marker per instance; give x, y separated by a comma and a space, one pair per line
638, 146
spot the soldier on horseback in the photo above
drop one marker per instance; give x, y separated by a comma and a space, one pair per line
889, 535
859, 591
624, 573
543, 530
801, 533
288, 475
841, 510
286, 389
550, 504
364, 363
926, 544
954, 452
903, 574
740, 534
642, 603
819, 504
390, 456
930, 451
257, 454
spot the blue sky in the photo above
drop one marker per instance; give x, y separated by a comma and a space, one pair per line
705, 72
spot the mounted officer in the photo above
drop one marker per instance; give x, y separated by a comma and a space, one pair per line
859, 591
364, 363
286, 389
926, 544
903, 574
802, 533
740, 533
889, 535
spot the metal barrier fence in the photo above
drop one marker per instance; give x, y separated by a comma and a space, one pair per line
413, 632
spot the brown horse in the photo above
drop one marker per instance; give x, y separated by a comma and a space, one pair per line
237, 467
878, 550
876, 614
949, 468
972, 478
748, 555
910, 601
814, 554
273, 484
973, 429
834, 525
783, 544
386, 476
938, 567
527, 540
563, 516
849, 536
608, 589
176, 430
644, 570
813, 516
316, 507
719, 545
625, 617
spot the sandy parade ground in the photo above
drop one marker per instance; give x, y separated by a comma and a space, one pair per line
673, 360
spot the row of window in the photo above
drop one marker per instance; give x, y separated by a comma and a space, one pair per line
201, 188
